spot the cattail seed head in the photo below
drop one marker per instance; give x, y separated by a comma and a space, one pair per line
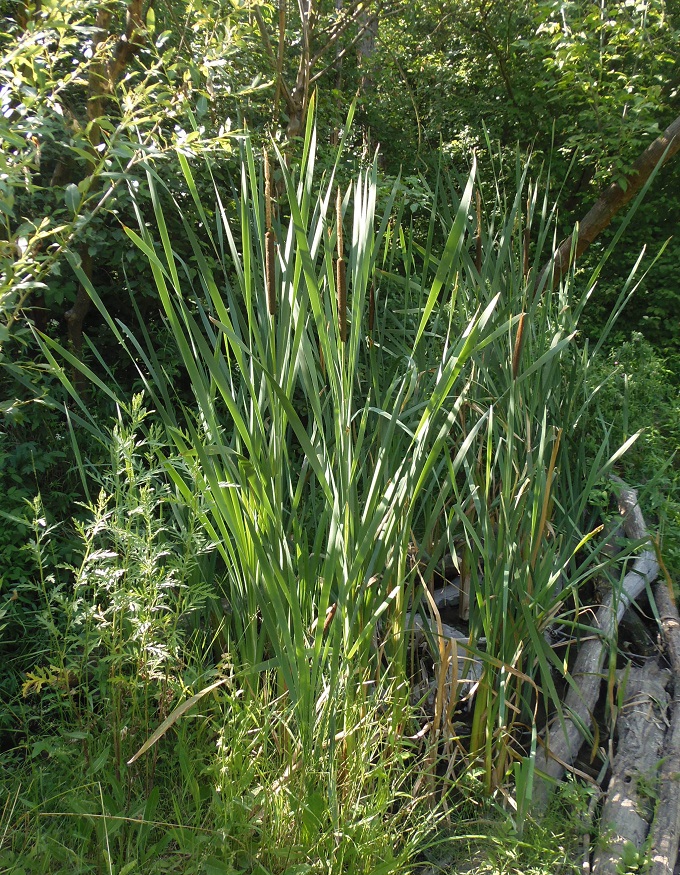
330, 613
517, 351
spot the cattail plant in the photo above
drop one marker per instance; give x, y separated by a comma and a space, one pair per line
318, 457
313, 454
520, 516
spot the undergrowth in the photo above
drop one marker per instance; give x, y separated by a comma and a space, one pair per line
637, 392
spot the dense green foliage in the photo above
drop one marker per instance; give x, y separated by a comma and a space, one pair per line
251, 407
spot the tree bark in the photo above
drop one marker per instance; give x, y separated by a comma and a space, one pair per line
634, 784
665, 831
75, 317
608, 205
368, 24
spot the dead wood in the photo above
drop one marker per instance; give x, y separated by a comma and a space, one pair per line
670, 624
469, 668
665, 832
565, 734
629, 805
448, 596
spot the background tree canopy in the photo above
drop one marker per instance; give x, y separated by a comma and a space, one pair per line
89, 89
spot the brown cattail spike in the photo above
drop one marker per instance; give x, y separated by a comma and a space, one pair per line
517, 351
270, 264
330, 613
267, 193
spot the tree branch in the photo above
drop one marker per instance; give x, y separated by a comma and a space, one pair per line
340, 55
609, 203
348, 17
129, 43
266, 42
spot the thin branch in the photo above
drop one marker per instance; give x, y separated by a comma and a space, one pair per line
340, 55
350, 17
266, 42
130, 43
346, 17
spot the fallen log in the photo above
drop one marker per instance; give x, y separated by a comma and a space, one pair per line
665, 831
629, 805
564, 735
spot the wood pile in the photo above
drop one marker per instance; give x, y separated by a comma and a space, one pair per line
639, 821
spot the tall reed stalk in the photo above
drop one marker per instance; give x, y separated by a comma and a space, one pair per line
518, 520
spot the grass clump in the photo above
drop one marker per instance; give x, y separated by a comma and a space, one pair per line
232, 682
229, 789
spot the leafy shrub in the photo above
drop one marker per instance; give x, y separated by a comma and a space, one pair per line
37, 490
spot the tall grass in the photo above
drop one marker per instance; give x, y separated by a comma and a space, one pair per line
360, 404
306, 453
231, 791
312, 451
519, 519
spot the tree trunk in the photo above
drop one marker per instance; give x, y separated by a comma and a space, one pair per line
75, 317
296, 99
368, 24
608, 205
